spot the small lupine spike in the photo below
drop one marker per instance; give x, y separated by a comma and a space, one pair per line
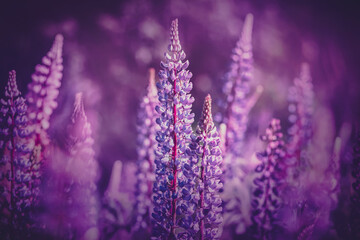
271, 173
41, 98
147, 129
43, 91
237, 90
78, 112
83, 174
16, 200
301, 98
174, 108
206, 116
72, 174
207, 144
237, 106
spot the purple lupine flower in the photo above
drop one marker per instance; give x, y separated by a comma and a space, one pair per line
71, 200
206, 148
237, 90
238, 105
301, 98
43, 91
16, 197
175, 130
82, 161
41, 98
271, 174
146, 143
355, 198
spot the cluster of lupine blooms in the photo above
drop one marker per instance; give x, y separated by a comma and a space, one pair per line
192, 182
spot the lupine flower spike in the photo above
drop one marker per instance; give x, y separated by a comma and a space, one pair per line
237, 107
266, 200
206, 146
175, 122
15, 176
146, 143
43, 91
41, 97
71, 182
84, 205
237, 90
301, 97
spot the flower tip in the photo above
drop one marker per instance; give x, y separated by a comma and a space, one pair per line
249, 17
59, 37
222, 127
12, 77
152, 89
78, 98
117, 166
152, 77
208, 99
206, 115
305, 74
275, 123
247, 28
174, 25
12, 74
305, 66
78, 107
259, 89
207, 104
12, 85
175, 22
152, 73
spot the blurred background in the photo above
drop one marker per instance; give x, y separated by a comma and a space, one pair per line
110, 45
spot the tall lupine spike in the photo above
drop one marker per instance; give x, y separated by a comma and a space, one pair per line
175, 121
41, 98
237, 107
206, 148
84, 174
16, 199
355, 197
301, 98
146, 143
43, 91
237, 90
271, 173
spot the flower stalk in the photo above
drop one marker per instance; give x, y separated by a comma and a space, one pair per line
175, 121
